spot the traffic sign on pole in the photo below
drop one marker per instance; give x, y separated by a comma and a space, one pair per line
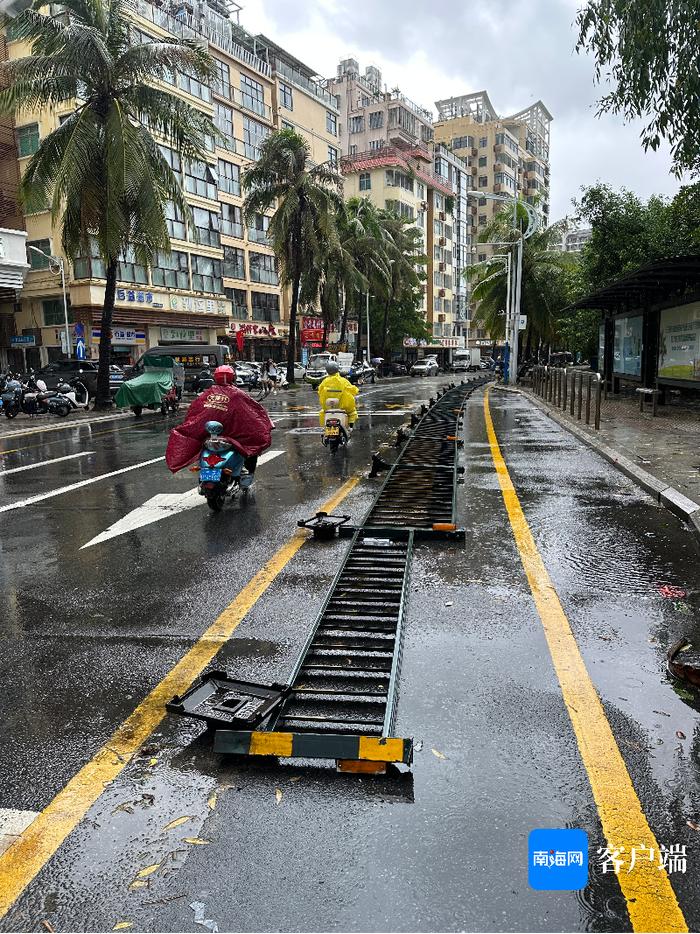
80, 348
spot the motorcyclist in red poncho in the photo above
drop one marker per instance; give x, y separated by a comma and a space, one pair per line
246, 423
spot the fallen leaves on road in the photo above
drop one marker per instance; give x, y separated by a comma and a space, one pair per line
197, 841
178, 821
124, 806
123, 925
211, 801
147, 871
153, 761
437, 754
48, 927
278, 794
138, 884
680, 734
693, 825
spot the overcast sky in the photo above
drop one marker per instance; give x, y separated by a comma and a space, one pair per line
517, 50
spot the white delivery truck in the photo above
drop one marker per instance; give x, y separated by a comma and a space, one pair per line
466, 359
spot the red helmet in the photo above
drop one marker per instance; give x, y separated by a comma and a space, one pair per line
224, 375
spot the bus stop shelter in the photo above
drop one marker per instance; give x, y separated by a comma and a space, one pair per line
649, 333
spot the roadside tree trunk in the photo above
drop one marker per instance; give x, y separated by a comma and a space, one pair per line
103, 399
385, 328
292, 342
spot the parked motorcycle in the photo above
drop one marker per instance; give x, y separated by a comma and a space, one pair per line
221, 472
12, 397
171, 400
336, 426
71, 396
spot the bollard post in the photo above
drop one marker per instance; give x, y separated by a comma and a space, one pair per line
580, 395
566, 390
573, 393
597, 404
588, 401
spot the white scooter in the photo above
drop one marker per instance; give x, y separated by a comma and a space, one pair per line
74, 395
336, 426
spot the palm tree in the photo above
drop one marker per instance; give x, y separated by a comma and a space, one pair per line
102, 170
302, 229
404, 251
542, 273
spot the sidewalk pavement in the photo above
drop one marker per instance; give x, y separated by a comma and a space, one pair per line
661, 454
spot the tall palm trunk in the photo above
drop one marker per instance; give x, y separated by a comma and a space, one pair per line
385, 327
103, 399
292, 342
324, 342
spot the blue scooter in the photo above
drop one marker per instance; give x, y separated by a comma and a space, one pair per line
221, 472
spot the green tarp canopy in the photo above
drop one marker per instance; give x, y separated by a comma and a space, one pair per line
147, 389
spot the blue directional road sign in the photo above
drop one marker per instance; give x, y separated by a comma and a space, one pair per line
80, 348
79, 330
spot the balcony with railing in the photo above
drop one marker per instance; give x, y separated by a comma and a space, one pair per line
186, 26
251, 104
295, 77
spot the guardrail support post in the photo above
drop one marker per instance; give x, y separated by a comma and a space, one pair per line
580, 395
573, 393
588, 400
565, 392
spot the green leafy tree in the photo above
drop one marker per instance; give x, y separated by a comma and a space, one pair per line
649, 52
543, 291
302, 228
102, 170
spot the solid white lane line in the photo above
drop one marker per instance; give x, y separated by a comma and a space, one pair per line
76, 486
54, 460
160, 507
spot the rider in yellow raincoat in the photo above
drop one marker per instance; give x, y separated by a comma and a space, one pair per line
335, 386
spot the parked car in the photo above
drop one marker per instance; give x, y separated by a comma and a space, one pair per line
362, 372
63, 371
396, 368
426, 367
299, 369
246, 374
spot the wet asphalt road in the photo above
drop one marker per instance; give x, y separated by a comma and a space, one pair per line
87, 633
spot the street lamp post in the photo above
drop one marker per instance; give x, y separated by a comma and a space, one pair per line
487, 262
58, 260
513, 318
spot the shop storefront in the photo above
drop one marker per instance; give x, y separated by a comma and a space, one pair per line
440, 347
258, 341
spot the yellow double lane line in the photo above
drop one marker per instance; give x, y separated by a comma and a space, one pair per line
32, 850
651, 901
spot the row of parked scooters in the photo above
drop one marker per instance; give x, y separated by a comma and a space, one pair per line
30, 395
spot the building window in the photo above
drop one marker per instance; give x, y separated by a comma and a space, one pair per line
286, 96
223, 121
262, 268
54, 315
376, 143
175, 220
252, 95
397, 179
483, 181
482, 202
462, 142
439, 201
420, 190
376, 120
229, 177
258, 227
231, 221
483, 142
332, 155
352, 150
356, 124
171, 270
503, 178
287, 126
28, 139
206, 274
222, 79
206, 226
131, 271
89, 267
239, 298
234, 262
254, 134
448, 232
365, 181
34, 259
482, 220
173, 159
200, 180
403, 210
193, 86
331, 123
482, 161
266, 306
437, 306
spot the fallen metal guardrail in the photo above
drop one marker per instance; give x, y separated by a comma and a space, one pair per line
563, 388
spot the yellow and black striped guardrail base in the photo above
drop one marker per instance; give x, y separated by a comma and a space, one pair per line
354, 753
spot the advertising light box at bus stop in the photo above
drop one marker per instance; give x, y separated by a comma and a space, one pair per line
679, 343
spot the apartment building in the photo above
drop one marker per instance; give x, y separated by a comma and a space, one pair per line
505, 155
213, 285
388, 157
